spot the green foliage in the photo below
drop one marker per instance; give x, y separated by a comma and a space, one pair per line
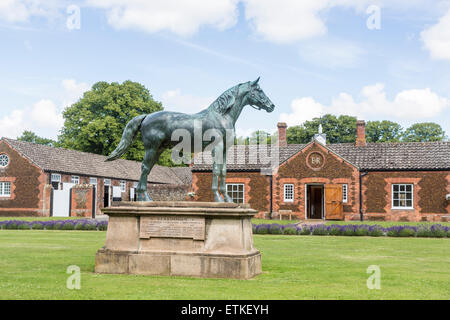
290, 230
383, 131
30, 136
338, 129
95, 123
67, 226
37, 226
422, 132
406, 233
361, 232
342, 129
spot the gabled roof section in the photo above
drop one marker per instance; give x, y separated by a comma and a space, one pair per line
89, 164
373, 156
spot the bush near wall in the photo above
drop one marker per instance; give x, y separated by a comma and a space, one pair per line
356, 230
434, 231
79, 224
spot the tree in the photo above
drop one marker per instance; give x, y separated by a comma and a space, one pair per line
338, 129
422, 132
30, 136
383, 131
95, 123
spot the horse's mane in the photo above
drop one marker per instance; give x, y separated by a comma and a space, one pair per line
222, 103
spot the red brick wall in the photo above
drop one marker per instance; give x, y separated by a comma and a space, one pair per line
298, 170
430, 189
27, 186
257, 188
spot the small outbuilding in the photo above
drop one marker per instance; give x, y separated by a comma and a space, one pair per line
39, 180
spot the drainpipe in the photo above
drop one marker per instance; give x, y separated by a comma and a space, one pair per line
361, 214
271, 203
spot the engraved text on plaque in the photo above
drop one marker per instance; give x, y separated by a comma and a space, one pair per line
172, 227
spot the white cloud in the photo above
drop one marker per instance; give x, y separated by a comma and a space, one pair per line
14, 11
286, 20
43, 117
302, 109
45, 113
407, 104
174, 100
12, 125
183, 17
73, 91
437, 38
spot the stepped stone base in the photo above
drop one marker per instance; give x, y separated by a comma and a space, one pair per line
199, 239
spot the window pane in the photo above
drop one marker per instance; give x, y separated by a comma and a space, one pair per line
396, 203
409, 203
408, 188
395, 187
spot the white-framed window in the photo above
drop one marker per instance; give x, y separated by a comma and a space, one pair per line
345, 193
93, 181
236, 191
123, 186
402, 196
55, 179
107, 182
5, 189
288, 192
4, 160
75, 179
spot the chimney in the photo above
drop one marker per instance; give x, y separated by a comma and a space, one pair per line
360, 133
282, 134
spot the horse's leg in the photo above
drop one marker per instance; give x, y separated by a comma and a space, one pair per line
150, 158
223, 174
217, 167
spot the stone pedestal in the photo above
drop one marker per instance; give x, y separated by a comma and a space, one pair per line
199, 239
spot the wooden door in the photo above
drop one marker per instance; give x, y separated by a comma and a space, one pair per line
333, 202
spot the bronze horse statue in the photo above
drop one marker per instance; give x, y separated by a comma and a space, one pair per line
157, 129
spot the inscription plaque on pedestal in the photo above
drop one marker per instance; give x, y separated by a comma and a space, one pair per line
172, 227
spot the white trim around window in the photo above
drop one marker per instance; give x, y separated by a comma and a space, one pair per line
75, 179
93, 181
123, 186
107, 182
55, 177
5, 189
345, 193
288, 192
402, 196
236, 191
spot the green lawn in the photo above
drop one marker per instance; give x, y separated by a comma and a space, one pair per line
33, 266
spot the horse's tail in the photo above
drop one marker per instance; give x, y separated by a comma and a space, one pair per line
129, 133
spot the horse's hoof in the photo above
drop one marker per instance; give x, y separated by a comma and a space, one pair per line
228, 199
143, 197
218, 198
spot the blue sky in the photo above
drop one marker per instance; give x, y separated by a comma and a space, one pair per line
313, 56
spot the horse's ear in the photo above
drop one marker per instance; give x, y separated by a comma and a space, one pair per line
254, 83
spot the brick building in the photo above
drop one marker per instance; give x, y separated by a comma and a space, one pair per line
345, 181
38, 180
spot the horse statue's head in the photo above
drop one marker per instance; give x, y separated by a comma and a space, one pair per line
257, 98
